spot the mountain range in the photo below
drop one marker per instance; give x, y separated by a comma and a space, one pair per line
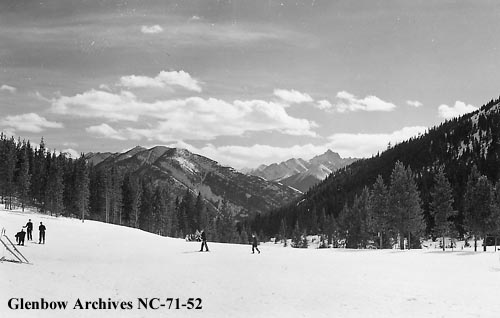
301, 174
179, 170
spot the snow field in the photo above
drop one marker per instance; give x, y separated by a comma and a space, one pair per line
90, 260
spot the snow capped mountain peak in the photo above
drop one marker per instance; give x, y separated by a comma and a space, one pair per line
301, 174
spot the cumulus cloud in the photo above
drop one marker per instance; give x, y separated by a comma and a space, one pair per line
30, 122
104, 130
292, 96
8, 88
414, 103
152, 29
163, 79
324, 105
347, 102
100, 104
104, 87
180, 119
460, 108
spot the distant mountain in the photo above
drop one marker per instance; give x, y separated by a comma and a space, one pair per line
300, 174
179, 169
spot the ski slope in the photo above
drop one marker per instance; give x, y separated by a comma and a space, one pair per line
93, 260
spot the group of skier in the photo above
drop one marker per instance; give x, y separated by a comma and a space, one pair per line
29, 233
203, 238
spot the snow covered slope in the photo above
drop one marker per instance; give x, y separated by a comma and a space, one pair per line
92, 260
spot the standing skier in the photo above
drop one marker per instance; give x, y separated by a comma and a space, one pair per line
41, 228
254, 244
29, 230
203, 240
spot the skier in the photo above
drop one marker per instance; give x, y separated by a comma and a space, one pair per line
41, 228
254, 244
203, 240
29, 230
20, 237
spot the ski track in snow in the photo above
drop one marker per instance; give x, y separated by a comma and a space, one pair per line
90, 260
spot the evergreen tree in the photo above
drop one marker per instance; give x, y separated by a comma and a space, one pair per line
405, 204
297, 240
441, 206
283, 232
379, 211
130, 194
477, 201
81, 187
23, 179
54, 189
146, 207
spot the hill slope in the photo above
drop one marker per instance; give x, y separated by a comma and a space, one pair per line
179, 169
93, 260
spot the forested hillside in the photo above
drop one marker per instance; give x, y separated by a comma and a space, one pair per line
456, 146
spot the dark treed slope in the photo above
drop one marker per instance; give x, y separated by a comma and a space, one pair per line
457, 145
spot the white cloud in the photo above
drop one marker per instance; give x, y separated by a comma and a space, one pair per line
8, 88
29, 122
180, 119
105, 87
458, 109
414, 103
292, 96
152, 29
347, 102
104, 130
100, 104
324, 105
163, 79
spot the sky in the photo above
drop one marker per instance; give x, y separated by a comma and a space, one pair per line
242, 82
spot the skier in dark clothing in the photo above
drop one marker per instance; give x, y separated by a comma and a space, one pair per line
254, 244
20, 237
41, 228
29, 230
203, 240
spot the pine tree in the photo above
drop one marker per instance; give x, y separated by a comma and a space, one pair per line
54, 189
441, 206
146, 207
405, 204
297, 239
81, 187
379, 210
283, 232
479, 206
23, 179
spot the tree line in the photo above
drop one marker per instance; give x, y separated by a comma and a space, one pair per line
55, 184
389, 213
